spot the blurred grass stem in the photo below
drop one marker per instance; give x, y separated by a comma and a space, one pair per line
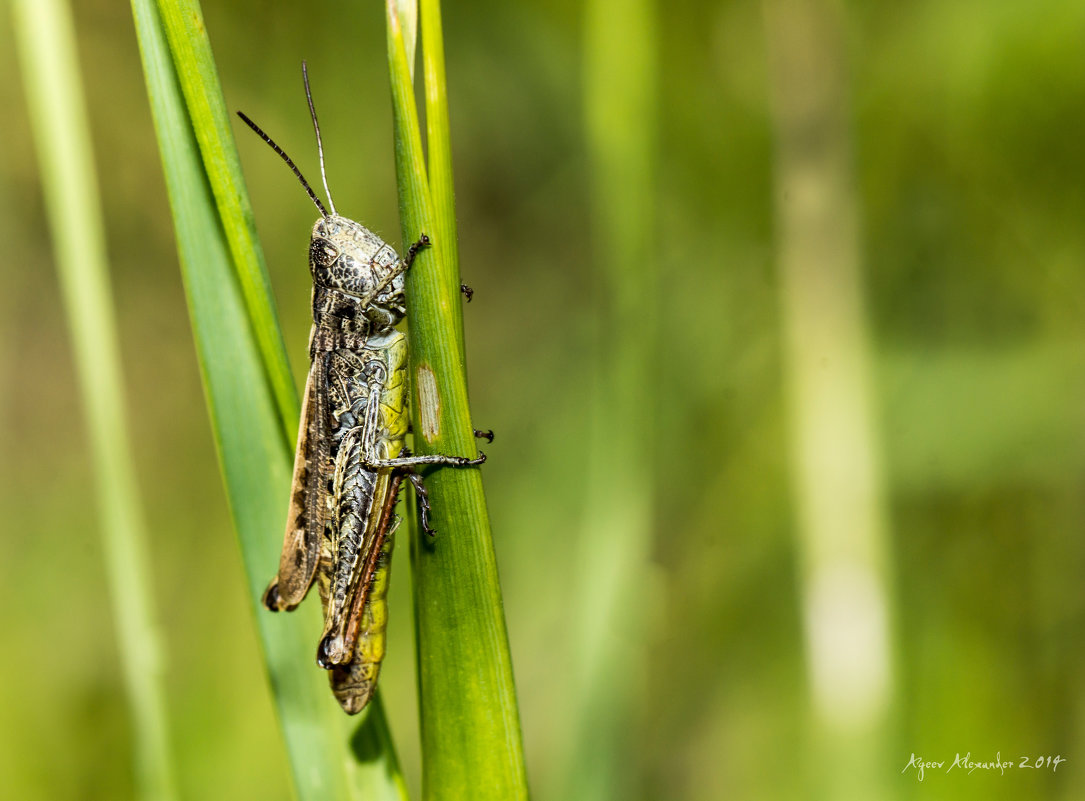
614, 585
835, 459
47, 50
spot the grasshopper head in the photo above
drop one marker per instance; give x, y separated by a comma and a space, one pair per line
348, 257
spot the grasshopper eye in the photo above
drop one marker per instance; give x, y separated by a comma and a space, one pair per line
322, 253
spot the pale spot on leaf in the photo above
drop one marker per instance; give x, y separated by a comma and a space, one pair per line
429, 403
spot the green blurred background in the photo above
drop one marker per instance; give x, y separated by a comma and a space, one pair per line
962, 125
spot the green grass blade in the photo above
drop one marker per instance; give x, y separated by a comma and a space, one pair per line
328, 760
191, 49
615, 546
46, 44
471, 741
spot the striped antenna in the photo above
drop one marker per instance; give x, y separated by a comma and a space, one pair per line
289, 162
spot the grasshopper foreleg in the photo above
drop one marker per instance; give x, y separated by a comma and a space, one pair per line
412, 251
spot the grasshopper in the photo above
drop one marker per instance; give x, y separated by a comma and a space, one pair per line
351, 456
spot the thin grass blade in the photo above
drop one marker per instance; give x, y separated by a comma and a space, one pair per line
439, 141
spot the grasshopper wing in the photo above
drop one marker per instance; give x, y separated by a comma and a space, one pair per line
305, 517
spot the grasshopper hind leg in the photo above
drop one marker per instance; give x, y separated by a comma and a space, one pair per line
422, 499
324, 656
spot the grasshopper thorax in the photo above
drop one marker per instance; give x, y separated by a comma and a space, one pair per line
360, 268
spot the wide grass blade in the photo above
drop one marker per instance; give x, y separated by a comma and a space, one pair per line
183, 24
471, 742
46, 45
245, 400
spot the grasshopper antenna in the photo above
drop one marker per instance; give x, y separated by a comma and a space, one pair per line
289, 162
316, 127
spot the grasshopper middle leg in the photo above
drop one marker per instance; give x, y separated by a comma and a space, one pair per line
406, 462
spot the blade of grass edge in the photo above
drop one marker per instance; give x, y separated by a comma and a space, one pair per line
471, 740
254, 457
47, 53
